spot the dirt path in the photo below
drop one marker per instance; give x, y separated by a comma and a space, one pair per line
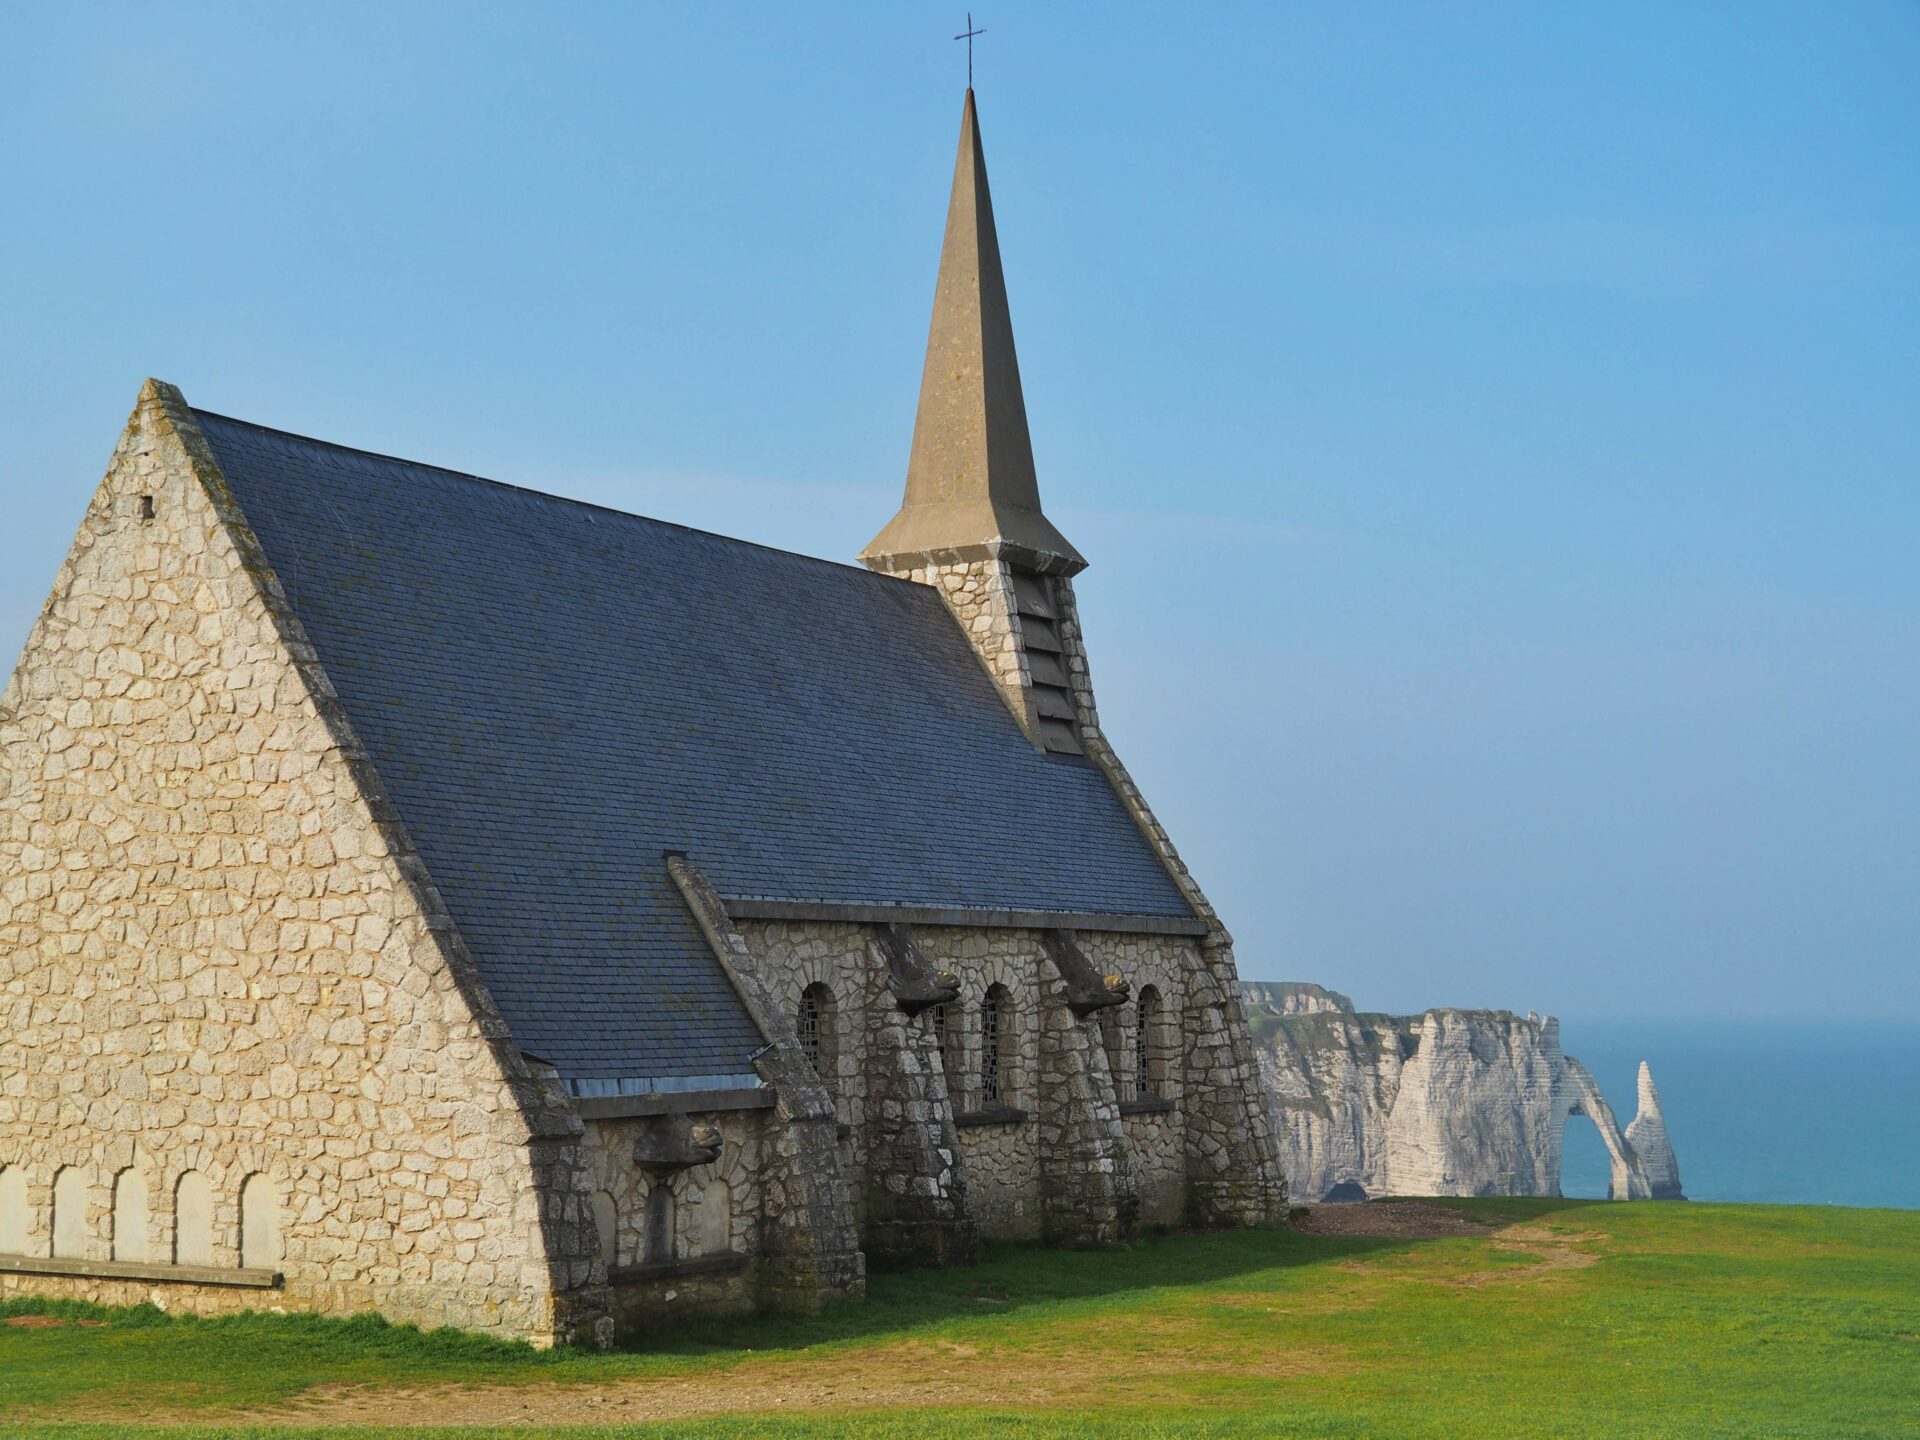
906, 1375
1396, 1219
1551, 1250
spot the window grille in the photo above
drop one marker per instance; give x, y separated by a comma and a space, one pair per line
991, 1020
948, 1022
1113, 1041
815, 1025
1146, 1051
809, 1028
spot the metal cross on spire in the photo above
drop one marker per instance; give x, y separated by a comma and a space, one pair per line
967, 35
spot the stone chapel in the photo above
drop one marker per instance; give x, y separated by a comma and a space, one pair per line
427, 895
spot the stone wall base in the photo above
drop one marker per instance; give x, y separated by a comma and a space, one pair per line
427, 1309
646, 1306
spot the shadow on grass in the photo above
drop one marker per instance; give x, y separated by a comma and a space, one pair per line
1013, 1279
1011, 1282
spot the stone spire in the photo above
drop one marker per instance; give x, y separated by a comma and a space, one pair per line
971, 489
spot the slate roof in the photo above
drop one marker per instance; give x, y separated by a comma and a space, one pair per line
556, 694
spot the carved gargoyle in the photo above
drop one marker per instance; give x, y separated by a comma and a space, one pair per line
1087, 989
914, 984
673, 1142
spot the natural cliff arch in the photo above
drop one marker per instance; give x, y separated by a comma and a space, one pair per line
1579, 1094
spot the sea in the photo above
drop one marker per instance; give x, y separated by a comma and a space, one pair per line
1806, 1112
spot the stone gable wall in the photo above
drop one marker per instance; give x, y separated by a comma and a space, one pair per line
216, 955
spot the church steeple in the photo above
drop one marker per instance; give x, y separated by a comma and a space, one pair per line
971, 489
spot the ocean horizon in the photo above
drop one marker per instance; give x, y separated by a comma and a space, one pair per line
1813, 1112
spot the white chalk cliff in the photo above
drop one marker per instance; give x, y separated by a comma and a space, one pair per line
1294, 997
1647, 1137
1451, 1102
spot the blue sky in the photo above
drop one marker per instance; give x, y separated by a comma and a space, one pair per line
1493, 427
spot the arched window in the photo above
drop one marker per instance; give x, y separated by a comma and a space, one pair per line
1149, 1064
260, 1239
713, 1218
949, 1034
13, 1211
70, 1213
606, 1224
996, 1036
1113, 1040
130, 1215
193, 1220
815, 1024
659, 1223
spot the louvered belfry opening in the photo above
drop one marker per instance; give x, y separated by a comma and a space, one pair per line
1046, 662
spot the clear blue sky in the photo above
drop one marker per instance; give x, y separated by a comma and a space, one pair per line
1493, 427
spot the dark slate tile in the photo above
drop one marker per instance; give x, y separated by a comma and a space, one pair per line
556, 694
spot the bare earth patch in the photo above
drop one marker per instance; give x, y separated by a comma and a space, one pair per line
1394, 1219
1552, 1251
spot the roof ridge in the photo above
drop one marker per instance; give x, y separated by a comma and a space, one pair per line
846, 565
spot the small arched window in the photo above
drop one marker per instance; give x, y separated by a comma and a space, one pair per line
1113, 1040
996, 1035
1149, 1072
193, 1220
815, 1024
13, 1210
260, 1223
130, 1216
949, 1023
70, 1213
606, 1224
713, 1218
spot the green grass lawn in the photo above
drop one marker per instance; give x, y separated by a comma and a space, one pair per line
1591, 1320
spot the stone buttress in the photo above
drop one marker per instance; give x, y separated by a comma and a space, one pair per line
1088, 1189
811, 1245
916, 1193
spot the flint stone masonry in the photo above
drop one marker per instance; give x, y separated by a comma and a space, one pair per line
633, 956
1231, 1165
240, 1018
1450, 1102
219, 956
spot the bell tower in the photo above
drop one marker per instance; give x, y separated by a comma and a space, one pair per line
971, 524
